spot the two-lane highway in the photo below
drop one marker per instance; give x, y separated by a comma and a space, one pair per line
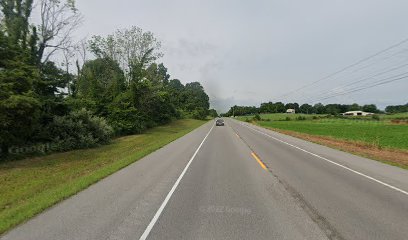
236, 181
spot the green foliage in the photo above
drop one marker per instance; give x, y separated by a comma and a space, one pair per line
212, 113
306, 108
126, 121
257, 117
270, 107
319, 108
40, 102
100, 79
31, 185
195, 98
199, 113
286, 117
18, 119
19, 105
241, 111
16, 16
370, 108
397, 108
79, 129
379, 133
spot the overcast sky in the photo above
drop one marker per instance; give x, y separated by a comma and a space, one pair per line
248, 52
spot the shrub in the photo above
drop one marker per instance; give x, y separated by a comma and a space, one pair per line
375, 117
199, 113
126, 121
301, 118
79, 129
287, 119
257, 117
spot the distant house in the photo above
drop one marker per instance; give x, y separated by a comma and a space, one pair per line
290, 110
357, 113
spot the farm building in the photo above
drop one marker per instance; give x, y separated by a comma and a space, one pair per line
357, 113
290, 110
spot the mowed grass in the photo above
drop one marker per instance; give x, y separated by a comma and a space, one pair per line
29, 186
379, 134
394, 116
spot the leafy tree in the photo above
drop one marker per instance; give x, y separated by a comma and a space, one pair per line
40, 101
242, 111
397, 108
195, 98
19, 107
306, 108
370, 108
101, 77
157, 73
124, 117
176, 92
212, 113
319, 108
280, 107
16, 14
132, 48
354, 107
268, 107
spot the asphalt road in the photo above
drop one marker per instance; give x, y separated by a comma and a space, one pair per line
235, 182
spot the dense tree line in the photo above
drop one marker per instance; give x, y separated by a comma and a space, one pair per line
122, 90
397, 108
318, 108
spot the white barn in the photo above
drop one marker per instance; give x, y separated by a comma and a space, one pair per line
290, 110
357, 113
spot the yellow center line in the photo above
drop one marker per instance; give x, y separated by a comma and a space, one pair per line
259, 160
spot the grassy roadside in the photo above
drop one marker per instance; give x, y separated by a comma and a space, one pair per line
394, 157
379, 140
29, 186
378, 134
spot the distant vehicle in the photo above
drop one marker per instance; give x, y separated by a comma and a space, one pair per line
219, 122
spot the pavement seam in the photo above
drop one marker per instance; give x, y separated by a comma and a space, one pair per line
254, 155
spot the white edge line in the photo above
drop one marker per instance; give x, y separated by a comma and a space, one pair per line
330, 161
166, 200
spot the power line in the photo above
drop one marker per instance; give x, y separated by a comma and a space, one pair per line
346, 68
362, 88
362, 80
398, 76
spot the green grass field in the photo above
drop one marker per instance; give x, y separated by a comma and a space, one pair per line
394, 116
378, 133
29, 186
283, 116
